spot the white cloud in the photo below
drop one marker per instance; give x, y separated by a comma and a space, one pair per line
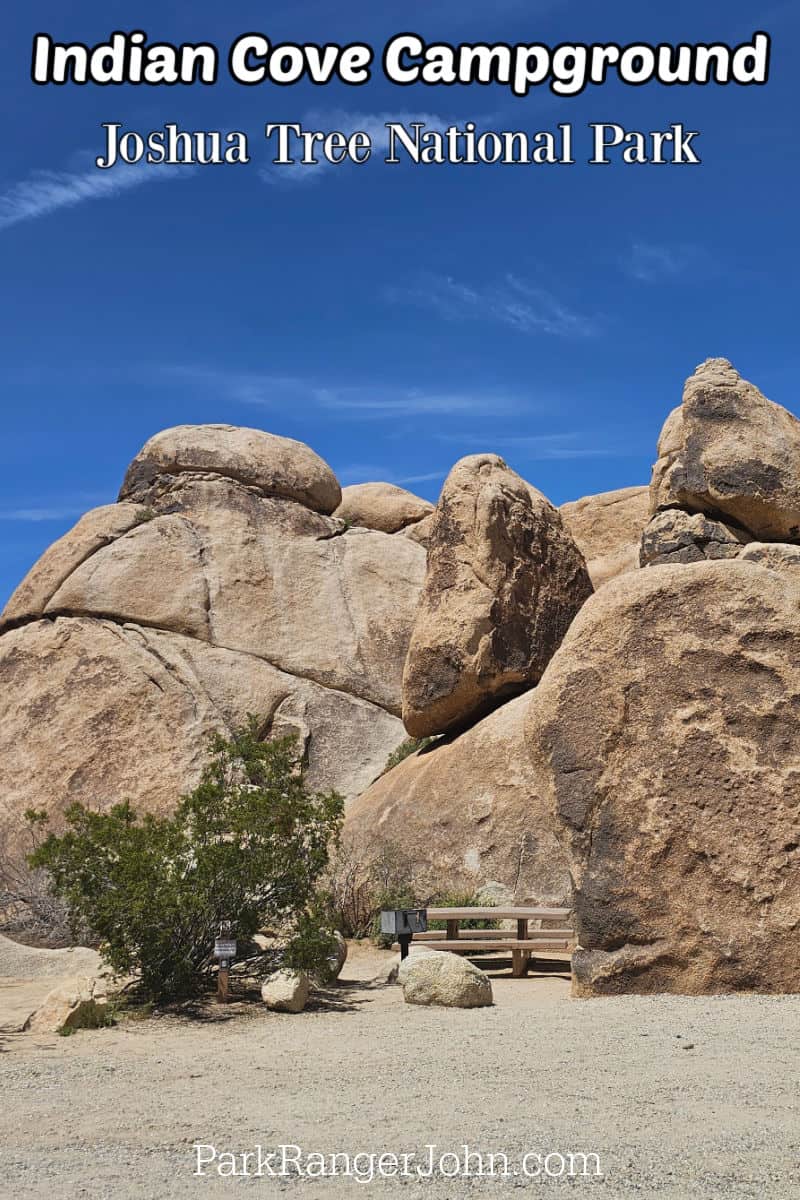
544, 447
348, 123
427, 477
526, 307
370, 473
43, 192
377, 401
397, 402
651, 263
40, 514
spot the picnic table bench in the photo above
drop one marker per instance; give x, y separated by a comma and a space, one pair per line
524, 943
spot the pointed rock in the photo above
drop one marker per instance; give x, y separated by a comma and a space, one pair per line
728, 451
504, 581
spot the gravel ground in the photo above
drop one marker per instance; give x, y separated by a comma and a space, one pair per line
678, 1097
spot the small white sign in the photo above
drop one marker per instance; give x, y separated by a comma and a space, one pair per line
224, 948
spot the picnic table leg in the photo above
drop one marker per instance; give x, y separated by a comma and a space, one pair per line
520, 959
452, 931
519, 963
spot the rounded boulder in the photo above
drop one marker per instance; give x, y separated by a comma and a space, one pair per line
444, 980
382, 506
276, 466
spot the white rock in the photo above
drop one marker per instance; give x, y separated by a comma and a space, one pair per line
286, 991
439, 978
77, 1003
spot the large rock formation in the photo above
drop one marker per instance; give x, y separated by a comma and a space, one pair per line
130, 711
607, 528
214, 593
382, 506
466, 811
665, 736
729, 451
504, 581
226, 565
96, 529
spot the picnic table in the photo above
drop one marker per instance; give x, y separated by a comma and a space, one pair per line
557, 935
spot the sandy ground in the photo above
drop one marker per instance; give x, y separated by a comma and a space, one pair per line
678, 1097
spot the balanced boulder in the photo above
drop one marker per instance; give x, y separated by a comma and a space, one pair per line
730, 452
504, 580
665, 736
382, 506
275, 466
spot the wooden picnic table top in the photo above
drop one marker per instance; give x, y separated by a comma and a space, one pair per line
520, 913
502, 944
497, 935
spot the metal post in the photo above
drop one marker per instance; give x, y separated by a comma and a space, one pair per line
405, 941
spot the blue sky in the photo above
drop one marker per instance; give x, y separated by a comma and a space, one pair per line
395, 318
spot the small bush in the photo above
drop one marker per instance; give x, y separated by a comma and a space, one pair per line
366, 878
406, 749
461, 900
363, 879
28, 909
246, 848
147, 514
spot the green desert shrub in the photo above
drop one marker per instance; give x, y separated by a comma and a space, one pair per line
456, 899
247, 848
406, 749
